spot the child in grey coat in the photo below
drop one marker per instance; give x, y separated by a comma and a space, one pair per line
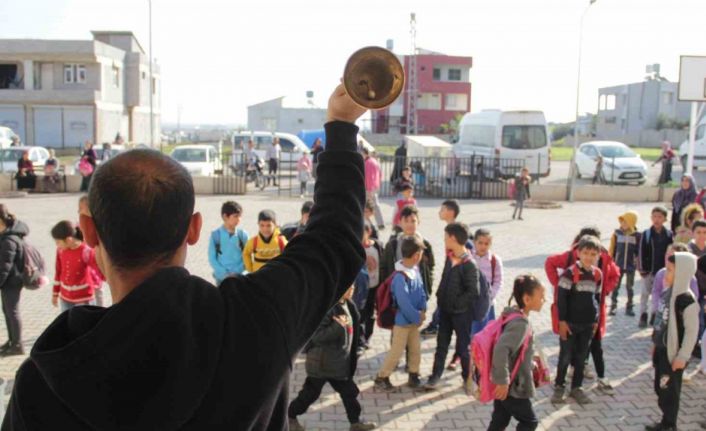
512, 397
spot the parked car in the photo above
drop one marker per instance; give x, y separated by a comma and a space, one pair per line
10, 156
114, 151
621, 165
292, 146
6, 135
199, 160
699, 147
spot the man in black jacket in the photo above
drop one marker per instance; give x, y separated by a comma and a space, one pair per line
173, 352
332, 357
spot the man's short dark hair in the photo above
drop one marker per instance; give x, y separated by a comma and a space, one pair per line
452, 205
410, 246
587, 230
660, 209
698, 223
409, 211
589, 242
307, 206
231, 207
267, 215
458, 231
141, 202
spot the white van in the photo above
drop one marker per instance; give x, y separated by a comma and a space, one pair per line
521, 137
6, 135
699, 147
292, 146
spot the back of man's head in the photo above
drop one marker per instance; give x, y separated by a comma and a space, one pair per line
141, 202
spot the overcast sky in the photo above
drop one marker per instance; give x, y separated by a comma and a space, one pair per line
219, 56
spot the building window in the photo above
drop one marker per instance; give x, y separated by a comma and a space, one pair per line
115, 75
430, 101
270, 124
667, 97
606, 102
437, 74
74, 73
456, 102
454, 74
610, 120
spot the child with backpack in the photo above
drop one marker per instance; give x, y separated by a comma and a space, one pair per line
578, 304
373, 253
266, 245
653, 247
331, 357
448, 213
405, 199
226, 245
456, 296
674, 335
623, 250
75, 276
409, 225
514, 387
491, 270
407, 299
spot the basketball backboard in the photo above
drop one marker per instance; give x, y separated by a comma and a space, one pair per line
692, 78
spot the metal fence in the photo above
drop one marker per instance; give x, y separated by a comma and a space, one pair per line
473, 177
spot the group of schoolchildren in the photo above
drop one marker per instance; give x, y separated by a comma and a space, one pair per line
583, 278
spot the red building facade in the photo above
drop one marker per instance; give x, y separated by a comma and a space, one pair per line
443, 91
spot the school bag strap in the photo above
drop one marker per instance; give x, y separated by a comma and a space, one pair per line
280, 241
576, 273
523, 348
216, 239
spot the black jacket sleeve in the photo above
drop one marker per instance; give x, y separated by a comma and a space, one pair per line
387, 261
8, 255
645, 253
297, 289
470, 282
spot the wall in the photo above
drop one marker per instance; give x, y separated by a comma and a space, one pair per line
294, 120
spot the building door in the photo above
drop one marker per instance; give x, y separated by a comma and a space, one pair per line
48, 127
78, 125
14, 118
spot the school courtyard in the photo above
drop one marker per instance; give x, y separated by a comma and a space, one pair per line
523, 246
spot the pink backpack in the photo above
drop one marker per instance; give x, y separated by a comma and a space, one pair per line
482, 346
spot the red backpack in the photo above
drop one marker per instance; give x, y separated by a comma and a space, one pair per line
387, 309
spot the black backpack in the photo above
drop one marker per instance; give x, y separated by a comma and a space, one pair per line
30, 265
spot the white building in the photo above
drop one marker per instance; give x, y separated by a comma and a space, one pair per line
60, 93
273, 116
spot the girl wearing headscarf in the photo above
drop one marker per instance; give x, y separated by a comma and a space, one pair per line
666, 159
683, 197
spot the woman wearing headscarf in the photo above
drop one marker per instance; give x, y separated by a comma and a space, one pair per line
683, 197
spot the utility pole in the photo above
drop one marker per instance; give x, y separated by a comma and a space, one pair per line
572, 166
149, 3
412, 79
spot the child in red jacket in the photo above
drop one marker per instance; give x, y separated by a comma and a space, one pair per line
76, 275
557, 264
406, 198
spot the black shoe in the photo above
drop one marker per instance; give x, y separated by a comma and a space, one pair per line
5, 346
13, 350
384, 384
429, 331
643, 321
362, 426
613, 311
432, 383
652, 320
659, 427
629, 312
413, 381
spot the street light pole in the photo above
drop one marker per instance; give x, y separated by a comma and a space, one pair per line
149, 2
572, 166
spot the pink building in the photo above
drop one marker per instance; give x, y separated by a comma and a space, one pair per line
443, 91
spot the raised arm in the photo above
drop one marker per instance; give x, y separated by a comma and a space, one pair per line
297, 288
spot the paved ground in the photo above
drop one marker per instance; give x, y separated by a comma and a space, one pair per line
523, 245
